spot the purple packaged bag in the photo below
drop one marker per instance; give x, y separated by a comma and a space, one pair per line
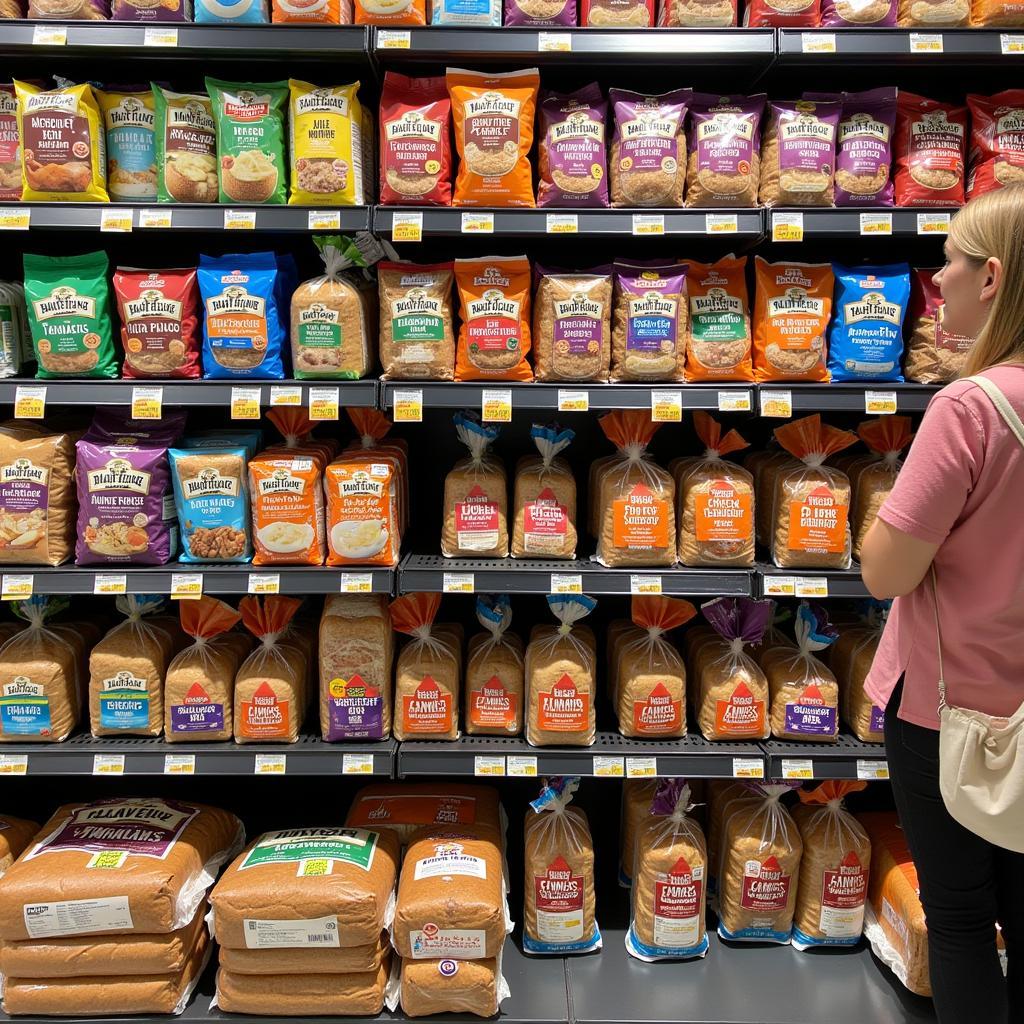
571, 160
864, 148
125, 508
649, 323
541, 13
799, 156
151, 11
724, 152
113, 425
859, 13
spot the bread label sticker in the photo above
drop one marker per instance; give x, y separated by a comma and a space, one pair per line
563, 708
485, 764
723, 513
197, 713
765, 886
77, 917
477, 521
111, 859
265, 716
559, 895
640, 520
245, 403
29, 401
810, 715
431, 942
817, 524
124, 701
353, 846
407, 227
494, 706
843, 891
545, 524
448, 968
659, 714
678, 900
355, 709
740, 715
24, 709
316, 932
428, 710
449, 858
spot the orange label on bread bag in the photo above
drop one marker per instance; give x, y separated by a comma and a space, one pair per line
640, 520
494, 706
741, 715
658, 714
723, 513
818, 523
428, 710
563, 708
264, 717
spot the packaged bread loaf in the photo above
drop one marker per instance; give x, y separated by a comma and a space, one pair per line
650, 684
559, 914
167, 853
635, 498
932, 354
873, 481
417, 336
731, 692
561, 676
373, 428
697, 13
764, 465
929, 152
305, 959
852, 656
637, 806
475, 496
865, 136
287, 507
126, 670
716, 502
427, 675
723, 159
718, 335
811, 503
452, 895
355, 653
725, 796
572, 325
803, 690
571, 163
834, 869
494, 672
668, 895
648, 158
544, 499
305, 888
199, 684
452, 986
15, 835
760, 865
649, 326
798, 157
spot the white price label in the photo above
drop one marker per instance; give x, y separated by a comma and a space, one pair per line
933, 223
573, 401
747, 768
324, 220
793, 768
871, 770
407, 406
245, 403
566, 583
270, 764
458, 583
880, 403
186, 586
115, 219
926, 42
1007, 43
496, 406
521, 766
407, 227
159, 218
264, 583
13, 764
179, 764
357, 764
108, 764
776, 404
640, 584
357, 583
484, 764
734, 401
554, 42
323, 404
721, 223
478, 223
285, 394
15, 586
641, 767
666, 406
29, 401
51, 35
389, 39
787, 227
609, 767
818, 42
239, 220
648, 224
876, 223
160, 35
110, 583
13, 219
147, 403
810, 586
562, 224
779, 586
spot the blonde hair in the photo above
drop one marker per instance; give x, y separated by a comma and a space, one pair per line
993, 226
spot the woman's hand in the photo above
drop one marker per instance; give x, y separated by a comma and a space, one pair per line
892, 563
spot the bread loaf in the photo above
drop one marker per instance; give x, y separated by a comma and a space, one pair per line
765, 465
452, 986
304, 960
559, 912
494, 673
15, 835
417, 339
544, 499
886, 436
637, 800
475, 497
851, 660
723, 799
572, 326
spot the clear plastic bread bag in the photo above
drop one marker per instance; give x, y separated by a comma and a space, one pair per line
559, 914
637, 795
732, 691
834, 869
716, 502
811, 504
872, 480
544, 498
670, 871
803, 689
475, 496
650, 687
760, 865
494, 672
851, 661
373, 428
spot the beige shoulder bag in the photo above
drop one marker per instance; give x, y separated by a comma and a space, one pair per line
981, 758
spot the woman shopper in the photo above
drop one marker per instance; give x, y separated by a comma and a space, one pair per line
958, 504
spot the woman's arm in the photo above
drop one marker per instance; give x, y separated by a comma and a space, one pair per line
892, 562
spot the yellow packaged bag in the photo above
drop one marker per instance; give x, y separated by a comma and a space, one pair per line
63, 150
326, 145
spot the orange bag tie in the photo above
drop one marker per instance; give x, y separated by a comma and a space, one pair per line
659, 614
269, 618
709, 430
831, 791
414, 614
207, 618
812, 441
629, 428
371, 424
294, 424
887, 435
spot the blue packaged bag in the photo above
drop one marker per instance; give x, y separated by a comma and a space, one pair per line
241, 12
243, 336
865, 338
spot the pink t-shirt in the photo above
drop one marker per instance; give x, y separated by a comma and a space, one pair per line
962, 486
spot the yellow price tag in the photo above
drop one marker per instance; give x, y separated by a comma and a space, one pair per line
777, 404
497, 406
159, 218
160, 35
933, 223
562, 224
389, 39
641, 767
487, 765
356, 583
747, 768
810, 586
29, 402
876, 223
639, 584
1007, 43
554, 42
779, 586
115, 220
793, 768
186, 586
648, 224
147, 403
179, 764
323, 404
239, 220
926, 42
407, 227
521, 766
270, 764
264, 583
458, 583
324, 220
478, 223
609, 767
13, 219
787, 227
108, 764
573, 401
285, 394
721, 223
13, 764
110, 583
407, 406
666, 406
880, 403
50, 35
566, 583
15, 586
818, 42
357, 764
245, 403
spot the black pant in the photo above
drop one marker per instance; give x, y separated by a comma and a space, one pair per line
967, 885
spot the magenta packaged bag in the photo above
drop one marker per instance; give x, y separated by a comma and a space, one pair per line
151, 10
541, 13
864, 148
859, 13
125, 507
572, 164
724, 151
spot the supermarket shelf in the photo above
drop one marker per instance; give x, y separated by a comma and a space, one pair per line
750, 48
149, 756
611, 756
530, 223
847, 223
434, 573
202, 217
847, 758
217, 579
194, 393
126, 41
776, 582
853, 397
722, 397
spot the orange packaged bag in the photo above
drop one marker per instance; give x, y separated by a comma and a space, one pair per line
493, 116
373, 428
872, 479
993, 13
494, 306
316, 12
792, 308
718, 337
390, 12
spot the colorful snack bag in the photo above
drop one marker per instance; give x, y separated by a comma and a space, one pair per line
934, 13
466, 12
317, 12
997, 140
864, 148
211, 495
572, 326
390, 12
10, 146
417, 334
129, 119
858, 13
649, 325
723, 162
798, 157
541, 13
719, 339
618, 13
782, 14
991, 14
930, 152
240, 12
932, 354
571, 158
186, 147
698, 13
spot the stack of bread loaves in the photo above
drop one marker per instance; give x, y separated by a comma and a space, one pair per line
300, 917
129, 938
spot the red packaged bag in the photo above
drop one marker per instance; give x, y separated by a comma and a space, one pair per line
997, 141
415, 142
931, 140
782, 14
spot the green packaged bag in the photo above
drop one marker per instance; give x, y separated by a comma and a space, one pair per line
186, 147
68, 302
250, 140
